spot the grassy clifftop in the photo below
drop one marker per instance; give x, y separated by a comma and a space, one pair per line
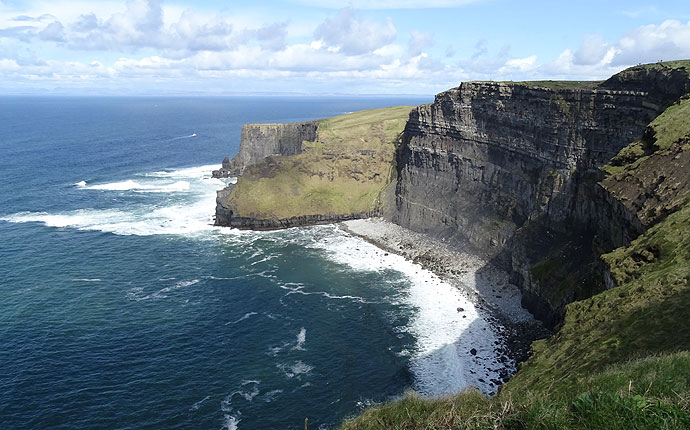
343, 172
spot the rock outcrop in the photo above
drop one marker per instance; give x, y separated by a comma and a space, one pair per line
259, 141
512, 169
225, 170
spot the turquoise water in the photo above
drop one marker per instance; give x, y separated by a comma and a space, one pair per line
123, 307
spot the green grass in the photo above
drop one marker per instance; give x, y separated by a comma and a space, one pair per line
650, 393
343, 172
675, 64
666, 129
561, 85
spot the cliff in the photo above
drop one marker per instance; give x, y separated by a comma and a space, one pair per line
317, 172
602, 248
512, 169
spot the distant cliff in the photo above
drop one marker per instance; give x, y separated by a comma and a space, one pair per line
512, 169
259, 141
315, 172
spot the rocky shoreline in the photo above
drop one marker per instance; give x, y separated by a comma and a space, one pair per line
486, 285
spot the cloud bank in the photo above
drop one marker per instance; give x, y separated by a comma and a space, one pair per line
144, 45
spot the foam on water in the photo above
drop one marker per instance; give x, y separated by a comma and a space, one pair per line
441, 362
296, 369
247, 315
230, 422
197, 405
131, 185
187, 172
301, 338
192, 213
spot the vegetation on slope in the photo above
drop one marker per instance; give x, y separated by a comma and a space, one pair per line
650, 393
343, 172
561, 85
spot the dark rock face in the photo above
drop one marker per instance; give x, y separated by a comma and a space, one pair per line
259, 141
225, 170
225, 217
512, 170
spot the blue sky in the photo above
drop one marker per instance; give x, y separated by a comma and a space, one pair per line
214, 47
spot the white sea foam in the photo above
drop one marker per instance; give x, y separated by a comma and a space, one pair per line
247, 315
230, 422
441, 361
297, 288
296, 369
178, 285
187, 172
197, 405
131, 185
301, 338
190, 214
87, 279
138, 294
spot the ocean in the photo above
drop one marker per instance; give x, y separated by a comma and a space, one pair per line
124, 308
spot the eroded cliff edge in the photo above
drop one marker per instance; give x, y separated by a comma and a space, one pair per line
513, 170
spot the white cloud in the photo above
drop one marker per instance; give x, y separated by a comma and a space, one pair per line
598, 59
592, 50
353, 35
144, 24
113, 44
518, 65
669, 40
419, 42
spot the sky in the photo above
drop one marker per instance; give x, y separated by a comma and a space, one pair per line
324, 47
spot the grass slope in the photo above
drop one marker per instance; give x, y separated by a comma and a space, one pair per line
651, 393
343, 172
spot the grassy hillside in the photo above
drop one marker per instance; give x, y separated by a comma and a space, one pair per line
651, 393
343, 172
619, 359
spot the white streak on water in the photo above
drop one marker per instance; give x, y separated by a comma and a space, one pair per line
301, 338
247, 315
131, 185
197, 405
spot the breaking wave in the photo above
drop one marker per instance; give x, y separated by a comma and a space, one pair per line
162, 213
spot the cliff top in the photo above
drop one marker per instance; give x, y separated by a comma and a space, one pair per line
634, 74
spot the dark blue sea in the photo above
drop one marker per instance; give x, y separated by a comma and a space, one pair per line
122, 307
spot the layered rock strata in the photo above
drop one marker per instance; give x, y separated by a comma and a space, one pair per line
259, 141
512, 170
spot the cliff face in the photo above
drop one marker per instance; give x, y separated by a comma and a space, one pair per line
259, 141
512, 170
